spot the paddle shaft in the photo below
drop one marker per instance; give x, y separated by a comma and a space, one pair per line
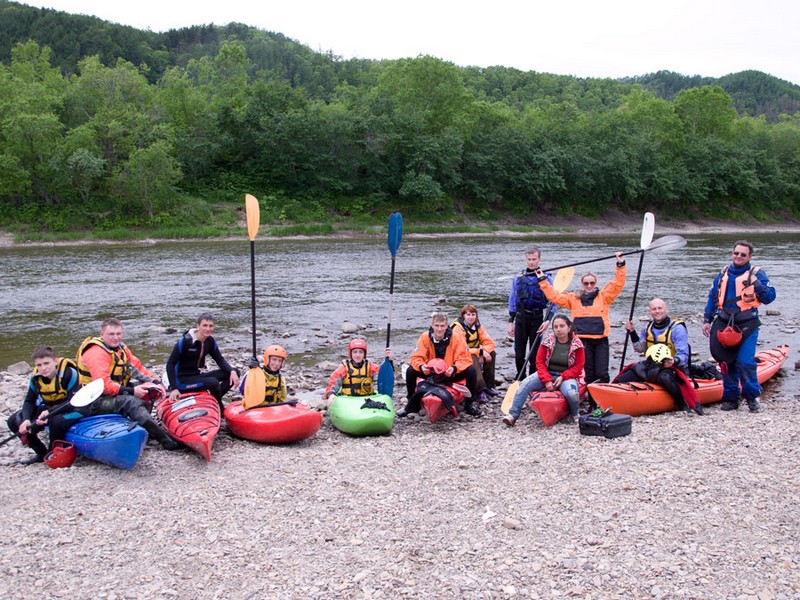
391, 302
665, 243
633, 306
253, 291
549, 313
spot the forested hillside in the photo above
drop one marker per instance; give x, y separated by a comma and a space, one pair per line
116, 128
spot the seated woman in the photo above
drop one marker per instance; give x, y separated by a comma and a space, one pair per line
481, 348
559, 366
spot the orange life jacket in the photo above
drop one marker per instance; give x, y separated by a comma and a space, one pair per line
745, 298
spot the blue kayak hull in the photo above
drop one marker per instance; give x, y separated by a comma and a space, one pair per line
108, 439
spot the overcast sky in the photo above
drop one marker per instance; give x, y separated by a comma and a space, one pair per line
586, 38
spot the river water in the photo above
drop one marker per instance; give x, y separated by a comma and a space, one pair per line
306, 289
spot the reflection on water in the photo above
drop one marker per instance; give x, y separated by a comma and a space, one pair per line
59, 295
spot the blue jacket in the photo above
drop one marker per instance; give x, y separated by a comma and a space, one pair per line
526, 294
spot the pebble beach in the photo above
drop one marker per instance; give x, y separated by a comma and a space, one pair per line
684, 507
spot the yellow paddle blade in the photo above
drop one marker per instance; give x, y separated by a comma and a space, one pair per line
254, 387
253, 216
563, 278
509, 397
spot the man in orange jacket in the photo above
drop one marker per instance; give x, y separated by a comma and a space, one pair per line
439, 342
126, 382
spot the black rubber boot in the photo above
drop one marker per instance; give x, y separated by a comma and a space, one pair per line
729, 405
471, 409
754, 405
161, 436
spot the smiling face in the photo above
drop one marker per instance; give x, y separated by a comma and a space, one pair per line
275, 363
532, 258
204, 329
589, 282
357, 355
470, 318
658, 310
741, 255
45, 366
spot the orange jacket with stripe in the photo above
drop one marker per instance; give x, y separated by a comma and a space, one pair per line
591, 321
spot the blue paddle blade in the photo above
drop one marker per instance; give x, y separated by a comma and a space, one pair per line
395, 232
386, 378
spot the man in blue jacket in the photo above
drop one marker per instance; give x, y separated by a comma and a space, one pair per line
731, 322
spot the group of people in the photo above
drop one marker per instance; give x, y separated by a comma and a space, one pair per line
568, 355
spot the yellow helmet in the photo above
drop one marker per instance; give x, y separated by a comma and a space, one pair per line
658, 353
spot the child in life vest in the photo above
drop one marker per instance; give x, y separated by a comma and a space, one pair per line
356, 376
274, 382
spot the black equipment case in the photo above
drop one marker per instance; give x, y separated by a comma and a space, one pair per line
608, 425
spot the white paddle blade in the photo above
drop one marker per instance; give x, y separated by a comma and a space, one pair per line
88, 393
648, 230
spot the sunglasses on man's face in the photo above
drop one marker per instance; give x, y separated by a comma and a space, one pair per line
741, 254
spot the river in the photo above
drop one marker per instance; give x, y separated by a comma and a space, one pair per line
306, 289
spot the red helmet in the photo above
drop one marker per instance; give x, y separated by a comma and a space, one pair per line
730, 336
357, 343
438, 366
62, 455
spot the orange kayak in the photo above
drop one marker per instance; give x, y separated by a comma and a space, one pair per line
638, 399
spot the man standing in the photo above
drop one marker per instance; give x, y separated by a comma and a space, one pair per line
526, 304
440, 342
663, 330
106, 357
731, 322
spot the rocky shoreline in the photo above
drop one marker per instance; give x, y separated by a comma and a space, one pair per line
685, 507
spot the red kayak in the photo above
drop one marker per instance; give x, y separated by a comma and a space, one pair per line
193, 419
638, 399
550, 406
437, 409
278, 424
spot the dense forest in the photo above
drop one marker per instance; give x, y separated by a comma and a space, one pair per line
119, 129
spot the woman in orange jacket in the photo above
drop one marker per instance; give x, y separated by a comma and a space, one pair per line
589, 308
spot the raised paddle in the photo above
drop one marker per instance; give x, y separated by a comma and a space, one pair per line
386, 373
560, 282
662, 244
256, 381
83, 397
648, 228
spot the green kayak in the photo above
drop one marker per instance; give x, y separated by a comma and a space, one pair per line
362, 415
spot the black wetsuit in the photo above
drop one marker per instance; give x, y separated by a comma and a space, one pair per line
188, 358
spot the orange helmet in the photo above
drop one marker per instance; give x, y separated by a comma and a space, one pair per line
730, 336
63, 454
357, 343
438, 366
274, 350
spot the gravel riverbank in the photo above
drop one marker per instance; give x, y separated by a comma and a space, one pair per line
685, 507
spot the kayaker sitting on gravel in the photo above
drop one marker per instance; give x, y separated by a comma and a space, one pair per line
559, 367
440, 342
659, 367
526, 305
481, 348
731, 321
274, 383
589, 309
356, 376
106, 357
663, 330
53, 382
188, 358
